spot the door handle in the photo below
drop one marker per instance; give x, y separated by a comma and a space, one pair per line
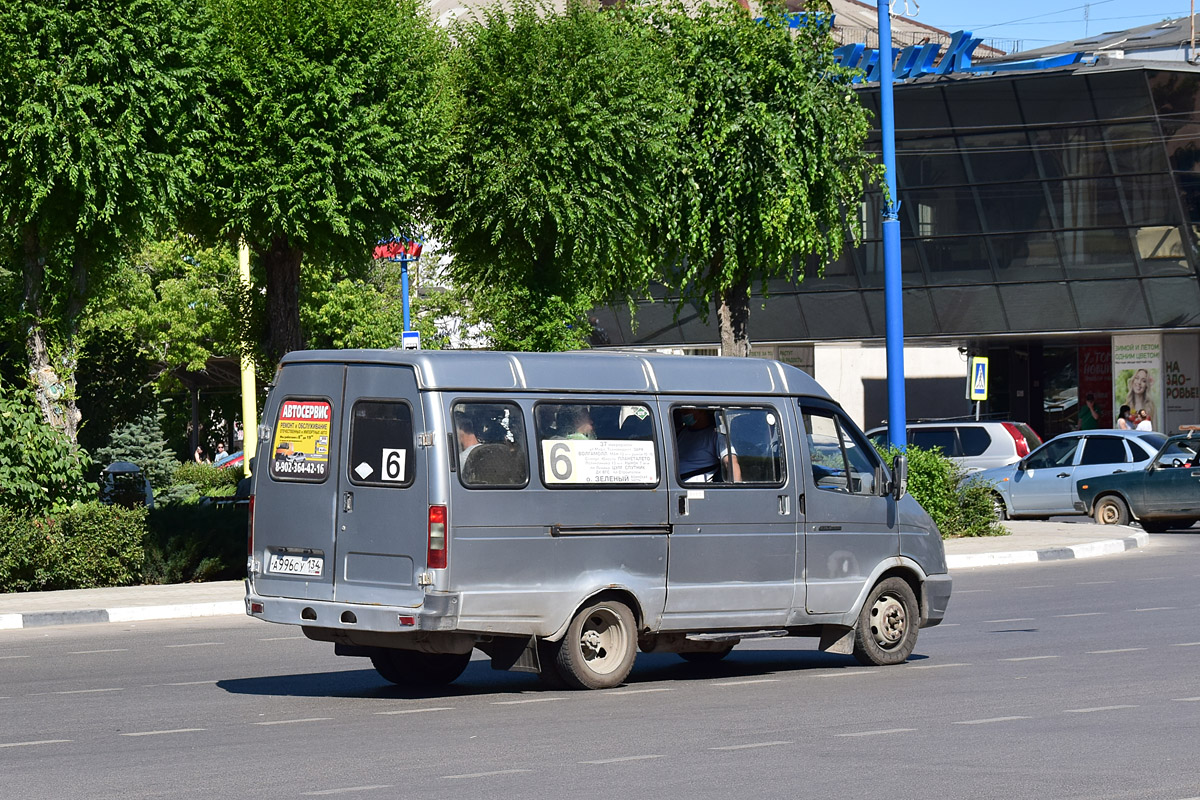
785, 505
1063, 475
348, 502
683, 505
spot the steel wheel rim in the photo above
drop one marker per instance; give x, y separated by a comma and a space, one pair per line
1108, 513
602, 641
889, 620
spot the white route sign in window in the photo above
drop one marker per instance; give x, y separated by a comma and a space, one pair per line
598, 461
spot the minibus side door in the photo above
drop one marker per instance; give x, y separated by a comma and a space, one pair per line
850, 517
383, 495
733, 543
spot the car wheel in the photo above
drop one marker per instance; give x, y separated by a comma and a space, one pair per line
1111, 510
414, 669
599, 648
887, 625
999, 507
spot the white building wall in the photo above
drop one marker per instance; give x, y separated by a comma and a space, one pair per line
842, 368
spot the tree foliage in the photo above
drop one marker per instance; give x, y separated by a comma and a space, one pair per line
562, 128
41, 471
142, 442
769, 159
329, 130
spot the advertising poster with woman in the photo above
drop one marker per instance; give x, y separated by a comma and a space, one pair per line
1137, 377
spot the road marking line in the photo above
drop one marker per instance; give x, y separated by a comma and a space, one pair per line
1083, 614
161, 733
292, 721
1186, 700
1118, 650
89, 652
750, 746
347, 790
1186, 644
985, 721
936, 666
1097, 708
5, 658
1028, 658
196, 644
88, 691
851, 673
528, 700
1014, 619
619, 760
1042, 586
972, 591
31, 744
1160, 608
1093, 583
621, 692
284, 639
487, 774
744, 683
416, 710
878, 733
189, 683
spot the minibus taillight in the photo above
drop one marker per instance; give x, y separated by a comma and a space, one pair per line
437, 538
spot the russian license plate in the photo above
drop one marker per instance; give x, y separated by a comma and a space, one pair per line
295, 564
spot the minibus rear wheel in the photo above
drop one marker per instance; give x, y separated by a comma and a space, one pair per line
599, 648
887, 625
413, 668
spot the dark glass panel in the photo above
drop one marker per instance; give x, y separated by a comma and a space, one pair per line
963, 260
1058, 98
870, 257
1189, 189
1174, 302
1086, 203
968, 309
918, 313
999, 157
1136, 147
919, 108
835, 315
1095, 254
777, 318
1183, 149
1014, 207
1038, 307
654, 323
870, 216
1109, 304
1150, 200
1175, 94
929, 162
1161, 250
1119, 95
1071, 152
940, 211
980, 102
838, 274
1026, 257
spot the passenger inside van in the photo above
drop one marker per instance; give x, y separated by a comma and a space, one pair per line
702, 449
467, 439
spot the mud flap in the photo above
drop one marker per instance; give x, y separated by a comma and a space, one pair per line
837, 639
512, 654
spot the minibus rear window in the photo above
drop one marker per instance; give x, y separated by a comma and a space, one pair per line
596, 444
381, 444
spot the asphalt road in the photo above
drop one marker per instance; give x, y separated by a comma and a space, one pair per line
1073, 679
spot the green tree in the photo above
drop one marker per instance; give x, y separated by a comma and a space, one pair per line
563, 126
142, 442
99, 112
770, 158
40, 469
330, 126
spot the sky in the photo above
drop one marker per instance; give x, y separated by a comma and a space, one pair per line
1038, 23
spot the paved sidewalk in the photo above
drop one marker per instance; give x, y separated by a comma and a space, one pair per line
1028, 542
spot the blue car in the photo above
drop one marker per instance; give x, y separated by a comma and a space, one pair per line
1162, 495
1042, 484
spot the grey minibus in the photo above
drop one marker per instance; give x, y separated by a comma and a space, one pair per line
559, 511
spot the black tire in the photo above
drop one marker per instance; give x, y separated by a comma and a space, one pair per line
887, 625
706, 657
1111, 510
1152, 526
600, 646
550, 677
414, 669
998, 505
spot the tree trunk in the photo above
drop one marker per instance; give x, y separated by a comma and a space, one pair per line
55, 394
733, 318
281, 262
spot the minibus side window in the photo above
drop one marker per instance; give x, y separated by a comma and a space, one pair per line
596, 444
729, 445
491, 449
381, 444
840, 462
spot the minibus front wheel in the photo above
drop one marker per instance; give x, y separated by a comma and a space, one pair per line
599, 647
887, 625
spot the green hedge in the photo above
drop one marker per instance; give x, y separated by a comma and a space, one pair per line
196, 542
206, 477
958, 509
82, 547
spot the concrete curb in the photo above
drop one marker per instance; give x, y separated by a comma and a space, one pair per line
1087, 550
42, 619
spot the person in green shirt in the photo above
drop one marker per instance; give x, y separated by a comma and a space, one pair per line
1089, 418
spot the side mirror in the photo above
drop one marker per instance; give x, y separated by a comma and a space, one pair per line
899, 476
1021, 465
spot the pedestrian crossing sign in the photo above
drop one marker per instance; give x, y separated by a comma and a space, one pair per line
977, 379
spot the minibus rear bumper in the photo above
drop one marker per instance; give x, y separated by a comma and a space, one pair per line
935, 596
438, 612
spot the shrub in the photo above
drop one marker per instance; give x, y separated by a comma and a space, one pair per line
86, 546
196, 542
957, 508
205, 477
40, 470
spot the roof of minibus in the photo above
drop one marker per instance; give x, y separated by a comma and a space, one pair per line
582, 371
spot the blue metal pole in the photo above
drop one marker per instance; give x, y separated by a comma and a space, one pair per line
404, 290
893, 284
